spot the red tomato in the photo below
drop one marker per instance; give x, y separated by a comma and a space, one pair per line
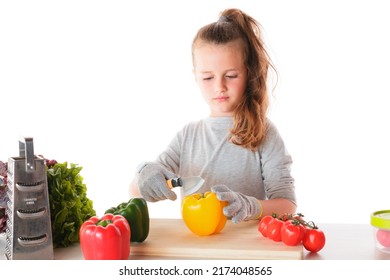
314, 239
263, 225
274, 229
383, 237
291, 233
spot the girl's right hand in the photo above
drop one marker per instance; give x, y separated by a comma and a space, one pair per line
152, 182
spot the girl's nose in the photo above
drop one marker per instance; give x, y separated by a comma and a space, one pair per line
220, 86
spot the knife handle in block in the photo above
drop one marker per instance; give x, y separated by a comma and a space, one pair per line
174, 182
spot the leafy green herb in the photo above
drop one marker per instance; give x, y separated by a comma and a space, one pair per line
69, 204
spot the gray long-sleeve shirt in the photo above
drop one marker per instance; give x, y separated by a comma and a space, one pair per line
202, 148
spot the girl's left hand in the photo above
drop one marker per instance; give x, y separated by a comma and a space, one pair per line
240, 207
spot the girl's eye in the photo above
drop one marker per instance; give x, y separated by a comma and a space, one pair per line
231, 76
207, 78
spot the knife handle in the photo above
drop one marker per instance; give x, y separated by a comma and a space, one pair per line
174, 182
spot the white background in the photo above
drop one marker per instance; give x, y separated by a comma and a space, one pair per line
106, 85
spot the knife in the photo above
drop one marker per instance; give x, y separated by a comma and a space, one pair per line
190, 185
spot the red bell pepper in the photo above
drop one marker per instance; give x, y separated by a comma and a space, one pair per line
107, 238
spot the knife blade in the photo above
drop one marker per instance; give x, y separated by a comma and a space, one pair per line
190, 185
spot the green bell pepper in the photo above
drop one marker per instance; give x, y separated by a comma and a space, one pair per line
136, 212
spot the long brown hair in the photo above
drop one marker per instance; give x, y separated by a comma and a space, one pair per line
250, 115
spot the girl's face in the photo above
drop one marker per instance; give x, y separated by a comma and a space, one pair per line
221, 75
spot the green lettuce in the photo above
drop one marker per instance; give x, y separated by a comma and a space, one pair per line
69, 204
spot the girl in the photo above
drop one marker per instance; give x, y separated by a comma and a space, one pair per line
237, 149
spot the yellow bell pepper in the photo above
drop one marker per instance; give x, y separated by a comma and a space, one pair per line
202, 213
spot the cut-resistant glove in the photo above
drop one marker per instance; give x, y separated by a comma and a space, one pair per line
152, 182
240, 207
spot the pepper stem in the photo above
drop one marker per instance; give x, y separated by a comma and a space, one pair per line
103, 223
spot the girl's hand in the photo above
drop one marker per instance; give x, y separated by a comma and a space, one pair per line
152, 182
240, 207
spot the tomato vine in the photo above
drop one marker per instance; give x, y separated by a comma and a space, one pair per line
292, 230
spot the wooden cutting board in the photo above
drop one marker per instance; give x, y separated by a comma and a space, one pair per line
171, 239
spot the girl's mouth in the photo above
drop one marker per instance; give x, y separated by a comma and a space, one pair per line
220, 98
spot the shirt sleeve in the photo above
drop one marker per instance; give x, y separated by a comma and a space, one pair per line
276, 166
170, 158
